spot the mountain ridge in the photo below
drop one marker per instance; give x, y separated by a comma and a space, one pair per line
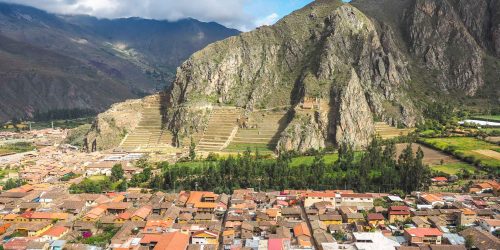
131, 63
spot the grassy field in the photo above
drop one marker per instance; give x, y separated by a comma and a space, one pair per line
466, 148
97, 178
494, 118
18, 147
454, 168
241, 147
65, 124
308, 160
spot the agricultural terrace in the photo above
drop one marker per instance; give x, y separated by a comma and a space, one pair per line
468, 148
438, 160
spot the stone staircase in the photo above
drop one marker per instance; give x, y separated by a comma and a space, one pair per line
221, 128
148, 135
263, 132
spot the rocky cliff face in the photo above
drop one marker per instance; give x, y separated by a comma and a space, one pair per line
437, 35
327, 50
359, 62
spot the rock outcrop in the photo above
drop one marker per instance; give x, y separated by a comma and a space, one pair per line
328, 50
438, 35
357, 62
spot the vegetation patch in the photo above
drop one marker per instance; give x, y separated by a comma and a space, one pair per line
454, 168
465, 148
492, 118
18, 147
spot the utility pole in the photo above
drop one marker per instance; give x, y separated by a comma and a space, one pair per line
52, 124
29, 125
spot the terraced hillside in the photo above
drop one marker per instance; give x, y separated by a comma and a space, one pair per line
262, 132
387, 132
148, 135
221, 128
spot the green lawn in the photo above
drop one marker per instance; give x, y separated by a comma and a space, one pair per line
97, 178
454, 168
463, 147
495, 118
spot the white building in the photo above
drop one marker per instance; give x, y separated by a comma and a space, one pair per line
373, 241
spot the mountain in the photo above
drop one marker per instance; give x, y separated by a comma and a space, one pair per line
361, 62
132, 56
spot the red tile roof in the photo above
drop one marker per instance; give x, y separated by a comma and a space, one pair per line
423, 232
56, 231
375, 216
173, 241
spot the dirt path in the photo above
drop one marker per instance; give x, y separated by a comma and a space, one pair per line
488, 153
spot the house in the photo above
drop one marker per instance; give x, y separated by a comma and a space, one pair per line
157, 226
485, 187
330, 219
303, 235
205, 207
141, 214
311, 198
54, 233
36, 245
490, 225
72, 207
228, 237
278, 244
466, 217
117, 207
203, 217
398, 213
94, 214
432, 199
375, 219
421, 222
373, 241
42, 216
353, 217
32, 229
291, 213
361, 201
17, 243
481, 239
426, 236
205, 238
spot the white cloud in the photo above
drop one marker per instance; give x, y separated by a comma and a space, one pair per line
268, 20
227, 12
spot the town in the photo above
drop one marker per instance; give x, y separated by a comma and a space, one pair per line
42, 216
39, 210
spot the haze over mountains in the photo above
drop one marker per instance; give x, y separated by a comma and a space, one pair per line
50, 61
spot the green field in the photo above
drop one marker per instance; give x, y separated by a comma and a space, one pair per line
454, 168
65, 124
465, 148
308, 160
494, 118
97, 178
241, 147
18, 147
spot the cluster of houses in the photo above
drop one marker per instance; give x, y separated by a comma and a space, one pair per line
48, 217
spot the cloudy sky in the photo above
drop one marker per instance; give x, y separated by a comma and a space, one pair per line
241, 14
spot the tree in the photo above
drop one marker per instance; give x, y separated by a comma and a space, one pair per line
117, 172
192, 150
122, 186
469, 242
